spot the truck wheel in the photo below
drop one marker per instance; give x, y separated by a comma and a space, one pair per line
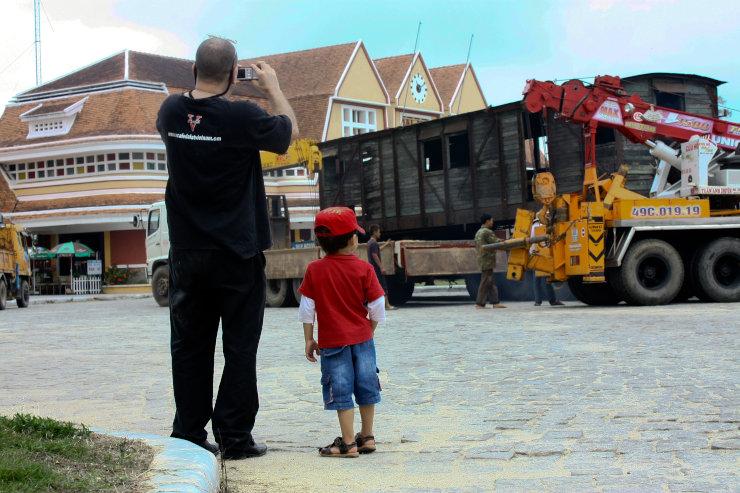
472, 282
295, 284
716, 270
400, 290
161, 285
278, 292
3, 294
24, 296
652, 273
593, 293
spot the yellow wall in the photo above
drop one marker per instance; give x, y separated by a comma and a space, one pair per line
468, 97
95, 185
361, 82
431, 103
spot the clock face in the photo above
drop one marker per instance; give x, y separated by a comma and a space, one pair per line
418, 88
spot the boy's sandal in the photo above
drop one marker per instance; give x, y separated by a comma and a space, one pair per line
363, 445
339, 449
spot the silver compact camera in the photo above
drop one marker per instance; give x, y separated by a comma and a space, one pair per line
245, 73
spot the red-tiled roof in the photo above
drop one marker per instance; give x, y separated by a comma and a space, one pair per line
52, 107
392, 71
309, 72
107, 70
310, 111
446, 79
125, 112
90, 201
7, 197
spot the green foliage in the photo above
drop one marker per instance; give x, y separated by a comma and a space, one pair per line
41, 454
115, 275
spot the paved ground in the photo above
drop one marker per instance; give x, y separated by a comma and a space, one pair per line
522, 399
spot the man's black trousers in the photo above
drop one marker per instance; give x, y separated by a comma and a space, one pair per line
207, 286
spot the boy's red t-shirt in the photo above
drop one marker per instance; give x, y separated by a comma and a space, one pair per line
341, 286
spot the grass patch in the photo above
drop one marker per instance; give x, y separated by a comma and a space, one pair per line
41, 454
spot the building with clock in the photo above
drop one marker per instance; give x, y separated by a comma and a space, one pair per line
80, 155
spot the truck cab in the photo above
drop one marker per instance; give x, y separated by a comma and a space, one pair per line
15, 265
154, 221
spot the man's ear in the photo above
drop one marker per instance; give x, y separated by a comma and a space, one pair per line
234, 71
195, 74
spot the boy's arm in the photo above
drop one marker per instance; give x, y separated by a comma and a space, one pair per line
311, 345
376, 310
307, 314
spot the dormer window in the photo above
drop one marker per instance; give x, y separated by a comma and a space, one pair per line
50, 119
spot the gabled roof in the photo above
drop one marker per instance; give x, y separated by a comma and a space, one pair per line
310, 111
7, 197
106, 70
309, 72
89, 201
393, 70
447, 80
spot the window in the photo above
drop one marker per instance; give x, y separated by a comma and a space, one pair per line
289, 172
153, 223
459, 151
670, 100
407, 119
433, 155
357, 120
604, 135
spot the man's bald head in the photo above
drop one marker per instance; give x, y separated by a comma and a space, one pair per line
215, 59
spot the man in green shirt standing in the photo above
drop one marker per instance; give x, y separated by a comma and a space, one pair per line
487, 261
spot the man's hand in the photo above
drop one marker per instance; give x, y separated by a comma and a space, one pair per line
267, 80
312, 347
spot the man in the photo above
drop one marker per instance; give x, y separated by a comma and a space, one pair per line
218, 225
373, 256
487, 262
540, 283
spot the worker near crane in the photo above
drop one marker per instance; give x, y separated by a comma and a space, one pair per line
540, 284
373, 256
487, 262
219, 227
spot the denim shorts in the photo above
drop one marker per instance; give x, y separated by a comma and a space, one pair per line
349, 370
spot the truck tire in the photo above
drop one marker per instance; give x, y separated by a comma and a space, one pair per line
472, 282
716, 270
593, 293
161, 285
278, 293
295, 284
3, 294
400, 290
24, 296
652, 273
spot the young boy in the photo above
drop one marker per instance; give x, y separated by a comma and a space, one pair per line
343, 293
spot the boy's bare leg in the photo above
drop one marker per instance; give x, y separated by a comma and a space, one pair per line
347, 424
367, 413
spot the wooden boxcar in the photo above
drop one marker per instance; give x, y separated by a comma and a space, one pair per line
434, 179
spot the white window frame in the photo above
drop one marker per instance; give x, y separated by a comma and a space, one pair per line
417, 116
348, 127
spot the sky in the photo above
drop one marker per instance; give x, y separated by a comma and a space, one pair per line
512, 40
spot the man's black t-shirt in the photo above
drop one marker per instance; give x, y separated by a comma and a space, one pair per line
215, 193
373, 247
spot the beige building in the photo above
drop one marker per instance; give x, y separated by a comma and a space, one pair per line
80, 155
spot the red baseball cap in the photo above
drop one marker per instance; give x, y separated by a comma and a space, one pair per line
338, 220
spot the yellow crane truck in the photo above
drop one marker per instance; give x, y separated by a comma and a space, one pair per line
15, 265
611, 244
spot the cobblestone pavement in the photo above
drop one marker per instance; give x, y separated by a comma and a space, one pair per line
551, 399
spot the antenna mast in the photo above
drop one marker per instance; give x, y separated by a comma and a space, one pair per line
37, 37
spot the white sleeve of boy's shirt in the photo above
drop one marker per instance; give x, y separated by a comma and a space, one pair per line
307, 310
376, 309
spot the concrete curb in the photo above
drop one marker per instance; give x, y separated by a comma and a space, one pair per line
179, 466
45, 300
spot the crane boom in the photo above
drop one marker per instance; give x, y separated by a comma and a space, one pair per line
302, 152
606, 103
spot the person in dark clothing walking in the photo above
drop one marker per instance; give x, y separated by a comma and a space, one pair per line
487, 262
219, 226
373, 256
